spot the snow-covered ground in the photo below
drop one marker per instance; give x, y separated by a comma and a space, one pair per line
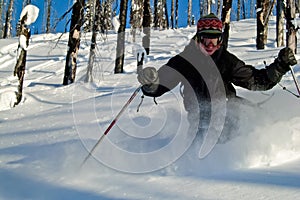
44, 139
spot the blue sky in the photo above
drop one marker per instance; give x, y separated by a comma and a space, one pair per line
59, 7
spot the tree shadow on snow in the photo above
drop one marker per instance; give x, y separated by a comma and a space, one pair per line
18, 186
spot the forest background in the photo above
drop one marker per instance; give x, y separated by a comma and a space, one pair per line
59, 8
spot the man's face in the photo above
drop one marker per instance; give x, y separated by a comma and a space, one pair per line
209, 45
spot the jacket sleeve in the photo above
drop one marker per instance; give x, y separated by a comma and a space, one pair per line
249, 77
169, 78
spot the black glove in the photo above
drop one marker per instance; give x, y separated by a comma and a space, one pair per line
148, 78
286, 58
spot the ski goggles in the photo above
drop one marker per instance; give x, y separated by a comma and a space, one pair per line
206, 39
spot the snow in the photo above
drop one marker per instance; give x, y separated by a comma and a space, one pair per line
45, 139
32, 14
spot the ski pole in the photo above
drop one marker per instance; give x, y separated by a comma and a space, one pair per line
112, 124
139, 67
295, 80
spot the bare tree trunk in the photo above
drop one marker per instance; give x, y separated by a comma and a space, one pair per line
21, 58
260, 25
155, 20
172, 13
263, 15
136, 14
252, 7
26, 2
74, 42
243, 9
201, 7
159, 14
166, 15
226, 10
176, 14
189, 23
219, 8
96, 14
1, 22
147, 26
238, 10
8, 19
280, 24
209, 2
291, 34
121, 37
48, 16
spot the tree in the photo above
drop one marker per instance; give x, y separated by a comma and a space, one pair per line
74, 42
238, 10
136, 13
176, 14
260, 25
28, 16
279, 23
96, 16
89, 16
19, 70
265, 8
218, 7
160, 21
121, 37
226, 10
189, 23
291, 30
8, 19
243, 9
209, 2
166, 20
106, 16
26, 2
146, 26
172, 14
1, 23
48, 16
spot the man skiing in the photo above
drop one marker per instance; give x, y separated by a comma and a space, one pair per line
204, 50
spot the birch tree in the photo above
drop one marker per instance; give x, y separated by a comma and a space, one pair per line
260, 25
28, 16
219, 8
279, 23
26, 2
264, 10
291, 30
121, 37
146, 26
74, 42
209, 2
226, 10
160, 21
136, 13
172, 14
238, 10
1, 22
166, 19
176, 14
8, 19
48, 16
95, 6
189, 23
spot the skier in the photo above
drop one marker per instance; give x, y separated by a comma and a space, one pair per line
206, 50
